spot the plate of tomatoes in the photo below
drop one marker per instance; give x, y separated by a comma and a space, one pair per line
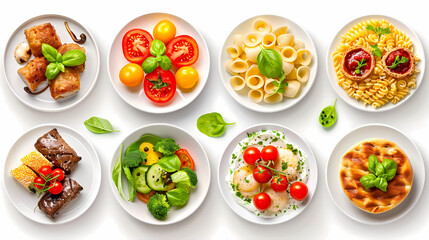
158, 63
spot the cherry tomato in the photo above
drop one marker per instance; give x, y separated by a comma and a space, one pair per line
58, 172
187, 77
55, 188
298, 191
185, 159
269, 153
262, 201
251, 155
164, 31
262, 174
136, 45
279, 184
160, 85
45, 171
183, 51
39, 182
131, 75
144, 197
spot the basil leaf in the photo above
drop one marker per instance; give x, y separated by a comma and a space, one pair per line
270, 63
149, 65
165, 63
170, 163
132, 192
99, 125
372, 162
328, 116
212, 124
74, 57
50, 53
117, 174
381, 183
52, 71
61, 67
157, 48
178, 196
368, 181
376, 50
390, 166
379, 169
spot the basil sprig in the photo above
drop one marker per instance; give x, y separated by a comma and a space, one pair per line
376, 50
398, 61
58, 62
157, 49
380, 173
360, 65
270, 64
378, 30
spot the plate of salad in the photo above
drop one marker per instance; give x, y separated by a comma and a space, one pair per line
160, 174
158, 63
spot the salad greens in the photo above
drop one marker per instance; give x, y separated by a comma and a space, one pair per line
380, 173
99, 125
328, 116
117, 174
158, 50
58, 62
212, 124
170, 163
158, 206
178, 196
166, 146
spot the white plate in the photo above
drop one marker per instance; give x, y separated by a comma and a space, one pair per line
44, 101
135, 96
87, 174
224, 169
418, 49
355, 136
138, 209
276, 21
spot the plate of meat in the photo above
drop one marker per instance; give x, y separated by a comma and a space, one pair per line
51, 63
52, 174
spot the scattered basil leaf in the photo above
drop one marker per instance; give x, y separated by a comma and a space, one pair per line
149, 65
328, 116
376, 50
390, 167
117, 174
170, 163
398, 61
178, 196
165, 63
372, 162
157, 48
132, 192
270, 63
378, 30
52, 70
381, 183
379, 169
212, 124
49, 52
73, 57
99, 125
368, 181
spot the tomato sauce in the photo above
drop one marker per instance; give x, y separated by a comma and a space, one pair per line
402, 67
351, 62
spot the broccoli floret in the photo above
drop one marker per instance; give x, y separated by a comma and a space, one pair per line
158, 206
185, 176
133, 159
166, 146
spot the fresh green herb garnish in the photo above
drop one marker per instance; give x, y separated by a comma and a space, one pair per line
360, 65
380, 173
270, 64
212, 124
99, 125
376, 50
58, 62
378, 30
328, 116
284, 166
157, 49
398, 61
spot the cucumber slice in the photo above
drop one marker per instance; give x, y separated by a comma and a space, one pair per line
139, 175
154, 178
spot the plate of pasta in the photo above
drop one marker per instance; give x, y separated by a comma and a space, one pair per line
260, 86
375, 63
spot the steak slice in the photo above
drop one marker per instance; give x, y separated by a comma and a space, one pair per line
57, 151
51, 204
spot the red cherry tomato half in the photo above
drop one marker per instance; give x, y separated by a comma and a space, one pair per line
262, 201
269, 153
39, 182
136, 45
45, 171
251, 155
185, 159
56, 188
279, 184
183, 51
262, 174
298, 191
58, 172
160, 86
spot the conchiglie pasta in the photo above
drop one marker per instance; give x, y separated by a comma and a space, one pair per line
234, 51
254, 82
303, 74
256, 95
288, 54
287, 67
285, 40
292, 89
268, 40
237, 82
253, 70
252, 39
303, 57
280, 30
261, 26
273, 98
239, 66
292, 75
252, 53
269, 86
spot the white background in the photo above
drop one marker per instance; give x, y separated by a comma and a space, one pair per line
214, 19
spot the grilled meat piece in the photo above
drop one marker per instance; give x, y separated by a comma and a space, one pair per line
57, 151
51, 204
43, 33
65, 84
33, 74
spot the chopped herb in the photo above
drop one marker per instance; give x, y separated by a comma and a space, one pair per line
294, 207
289, 146
246, 180
234, 156
284, 166
260, 143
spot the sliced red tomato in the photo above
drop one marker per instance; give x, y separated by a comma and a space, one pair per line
185, 159
144, 197
136, 45
160, 86
183, 51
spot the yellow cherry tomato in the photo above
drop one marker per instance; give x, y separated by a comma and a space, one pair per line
164, 31
186, 77
131, 75
146, 147
152, 156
